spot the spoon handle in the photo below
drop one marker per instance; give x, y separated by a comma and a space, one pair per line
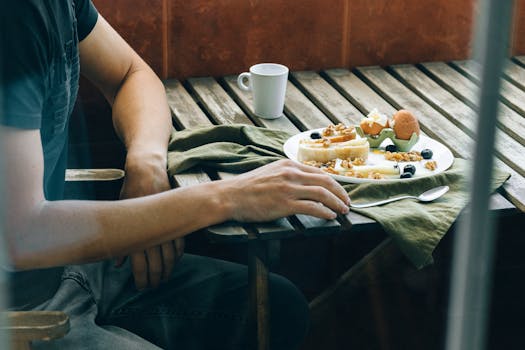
384, 201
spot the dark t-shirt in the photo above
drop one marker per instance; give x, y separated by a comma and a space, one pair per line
40, 71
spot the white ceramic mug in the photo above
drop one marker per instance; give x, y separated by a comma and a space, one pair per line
267, 82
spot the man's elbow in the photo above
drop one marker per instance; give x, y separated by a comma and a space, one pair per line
18, 255
14, 257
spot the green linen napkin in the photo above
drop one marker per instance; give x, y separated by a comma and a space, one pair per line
416, 227
234, 148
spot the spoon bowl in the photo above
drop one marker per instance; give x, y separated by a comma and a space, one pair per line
433, 193
427, 196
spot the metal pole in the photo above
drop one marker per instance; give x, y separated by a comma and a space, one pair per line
471, 279
3, 279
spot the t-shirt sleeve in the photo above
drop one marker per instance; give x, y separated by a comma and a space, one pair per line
87, 16
24, 66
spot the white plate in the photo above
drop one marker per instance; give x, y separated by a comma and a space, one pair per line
441, 154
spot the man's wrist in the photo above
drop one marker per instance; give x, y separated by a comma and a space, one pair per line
140, 160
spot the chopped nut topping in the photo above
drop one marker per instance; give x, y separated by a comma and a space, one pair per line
313, 163
346, 163
330, 170
329, 130
330, 163
411, 156
374, 175
358, 161
431, 165
340, 129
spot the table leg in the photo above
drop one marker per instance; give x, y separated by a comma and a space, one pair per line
259, 285
262, 255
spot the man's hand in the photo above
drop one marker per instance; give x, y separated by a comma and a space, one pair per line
285, 188
155, 264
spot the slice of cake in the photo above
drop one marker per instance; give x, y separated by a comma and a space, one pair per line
324, 150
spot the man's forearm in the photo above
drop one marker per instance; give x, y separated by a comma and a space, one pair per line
142, 118
56, 233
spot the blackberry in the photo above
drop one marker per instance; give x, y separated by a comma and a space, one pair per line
427, 153
409, 168
391, 148
315, 135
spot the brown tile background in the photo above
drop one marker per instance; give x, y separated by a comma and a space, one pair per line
518, 39
202, 37
225, 37
408, 31
140, 23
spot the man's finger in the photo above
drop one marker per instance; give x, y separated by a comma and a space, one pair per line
327, 182
179, 247
154, 259
139, 266
168, 259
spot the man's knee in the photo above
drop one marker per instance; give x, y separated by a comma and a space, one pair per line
289, 314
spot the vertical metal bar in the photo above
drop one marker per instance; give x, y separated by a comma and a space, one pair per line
3, 279
473, 249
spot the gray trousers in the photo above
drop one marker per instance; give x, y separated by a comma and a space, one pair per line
204, 305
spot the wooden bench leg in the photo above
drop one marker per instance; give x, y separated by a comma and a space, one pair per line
258, 276
262, 311
26, 326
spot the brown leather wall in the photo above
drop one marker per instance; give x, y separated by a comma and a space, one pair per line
408, 31
225, 37
140, 23
203, 37
518, 39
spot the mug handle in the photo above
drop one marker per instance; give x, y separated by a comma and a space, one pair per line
240, 81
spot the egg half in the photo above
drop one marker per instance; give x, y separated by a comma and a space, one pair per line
404, 124
373, 123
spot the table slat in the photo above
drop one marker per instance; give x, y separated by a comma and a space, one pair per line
358, 92
313, 226
185, 111
507, 149
327, 98
515, 74
520, 60
217, 102
302, 111
464, 89
513, 96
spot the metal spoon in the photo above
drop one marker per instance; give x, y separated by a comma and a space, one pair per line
426, 196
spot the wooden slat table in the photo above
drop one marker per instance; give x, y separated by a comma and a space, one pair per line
442, 93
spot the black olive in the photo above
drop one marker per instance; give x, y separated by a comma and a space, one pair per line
427, 153
406, 175
315, 135
391, 148
409, 168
